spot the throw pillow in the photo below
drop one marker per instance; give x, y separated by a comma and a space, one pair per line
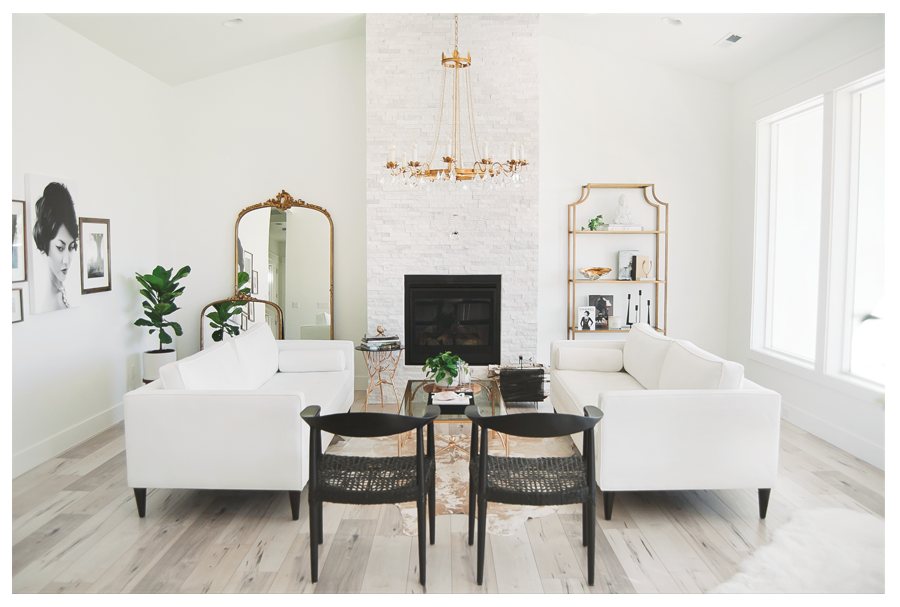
258, 354
218, 369
687, 367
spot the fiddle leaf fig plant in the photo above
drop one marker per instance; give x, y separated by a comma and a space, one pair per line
220, 317
160, 289
443, 366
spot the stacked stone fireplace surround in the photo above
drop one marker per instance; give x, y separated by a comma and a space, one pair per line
409, 231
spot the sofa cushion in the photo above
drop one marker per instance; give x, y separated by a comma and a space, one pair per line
217, 369
171, 373
258, 355
329, 390
585, 387
687, 367
606, 360
644, 353
306, 361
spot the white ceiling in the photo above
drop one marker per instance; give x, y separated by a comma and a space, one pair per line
690, 47
179, 48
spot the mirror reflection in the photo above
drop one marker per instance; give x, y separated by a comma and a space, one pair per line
286, 249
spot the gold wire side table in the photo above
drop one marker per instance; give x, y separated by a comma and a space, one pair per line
381, 366
487, 398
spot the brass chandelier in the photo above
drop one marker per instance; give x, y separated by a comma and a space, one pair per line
483, 171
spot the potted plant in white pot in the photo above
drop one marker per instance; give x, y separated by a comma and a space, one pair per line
160, 289
443, 369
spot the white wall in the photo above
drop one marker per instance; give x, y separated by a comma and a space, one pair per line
844, 415
85, 115
608, 119
171, 168
296, 123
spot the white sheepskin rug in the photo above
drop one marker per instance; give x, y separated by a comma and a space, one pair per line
825, 550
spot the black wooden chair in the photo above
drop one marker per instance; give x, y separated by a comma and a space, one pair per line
346, 479
542, 481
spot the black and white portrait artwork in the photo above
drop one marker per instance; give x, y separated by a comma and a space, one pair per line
604, 306
53, 247
19, 236
586, 315
95, 255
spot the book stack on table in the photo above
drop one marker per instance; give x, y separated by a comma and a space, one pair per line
380, 342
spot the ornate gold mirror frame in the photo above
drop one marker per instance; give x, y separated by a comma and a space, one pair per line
285, 201
279, 334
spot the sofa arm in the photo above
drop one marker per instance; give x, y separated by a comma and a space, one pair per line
689, 439
590, 345
215, 439
321, 344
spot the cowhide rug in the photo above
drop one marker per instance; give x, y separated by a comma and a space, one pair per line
816, 551
452, 484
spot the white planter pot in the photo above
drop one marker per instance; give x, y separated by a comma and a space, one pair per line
152, 361
447, 382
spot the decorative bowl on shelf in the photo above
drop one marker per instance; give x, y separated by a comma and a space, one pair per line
594, 273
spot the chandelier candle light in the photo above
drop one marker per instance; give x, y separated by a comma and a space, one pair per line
484, 172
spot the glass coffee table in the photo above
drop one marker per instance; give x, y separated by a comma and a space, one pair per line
487, 397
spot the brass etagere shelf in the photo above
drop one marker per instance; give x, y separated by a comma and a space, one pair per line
661, 259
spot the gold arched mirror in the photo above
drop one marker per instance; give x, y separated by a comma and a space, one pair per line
287, 248
243, 312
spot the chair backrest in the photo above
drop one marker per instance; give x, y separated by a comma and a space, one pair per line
537, 425
366, 425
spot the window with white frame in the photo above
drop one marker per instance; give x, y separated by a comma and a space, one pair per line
819, 295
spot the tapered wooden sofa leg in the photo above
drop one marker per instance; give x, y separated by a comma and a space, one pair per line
764, 502
608, 497
140, 496
294, 496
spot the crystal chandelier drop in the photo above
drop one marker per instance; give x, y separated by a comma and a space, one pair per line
483, 172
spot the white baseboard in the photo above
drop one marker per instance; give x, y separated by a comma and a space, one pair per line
837, 436
25, 460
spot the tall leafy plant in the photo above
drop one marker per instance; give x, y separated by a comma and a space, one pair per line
160, 289
220, 316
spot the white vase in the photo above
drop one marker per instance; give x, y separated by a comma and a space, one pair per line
447, 382
153, 360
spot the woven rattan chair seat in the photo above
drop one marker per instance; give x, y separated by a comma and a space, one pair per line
541, 481
347, 479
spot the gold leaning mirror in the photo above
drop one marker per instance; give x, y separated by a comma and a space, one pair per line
287, 248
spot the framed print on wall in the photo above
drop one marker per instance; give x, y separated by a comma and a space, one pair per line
243, 321
93, 242
18, 313
248, 262
53, 258
19, 242
255, 285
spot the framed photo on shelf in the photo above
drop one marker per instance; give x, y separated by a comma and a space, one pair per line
93, 244
19, 243
603, 304
255, 283
18, 313
586, 318
626, 264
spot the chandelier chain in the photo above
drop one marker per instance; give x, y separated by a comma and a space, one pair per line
456, 32
473, 134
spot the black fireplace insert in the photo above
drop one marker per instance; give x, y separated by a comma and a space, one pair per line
460, 313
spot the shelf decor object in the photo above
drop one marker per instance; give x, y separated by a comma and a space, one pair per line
647, 251
484, 171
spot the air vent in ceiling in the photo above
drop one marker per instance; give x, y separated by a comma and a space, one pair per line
728, 41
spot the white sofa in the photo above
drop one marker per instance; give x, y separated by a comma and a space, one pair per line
228, 417
674, 416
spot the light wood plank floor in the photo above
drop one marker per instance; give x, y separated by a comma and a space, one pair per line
75, 529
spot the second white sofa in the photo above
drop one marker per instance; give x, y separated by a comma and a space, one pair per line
228, 417
675, 417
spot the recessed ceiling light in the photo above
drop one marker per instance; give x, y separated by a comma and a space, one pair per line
233, 22
671, 21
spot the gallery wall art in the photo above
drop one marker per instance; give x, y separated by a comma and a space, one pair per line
19, 242
93, 236
55, 263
